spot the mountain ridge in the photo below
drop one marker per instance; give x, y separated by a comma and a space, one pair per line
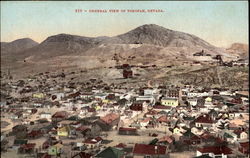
148, 43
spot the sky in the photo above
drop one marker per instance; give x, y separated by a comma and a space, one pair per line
220, 23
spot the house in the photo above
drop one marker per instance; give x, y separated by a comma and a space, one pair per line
214, 151
59, 116
188, 120
19, 128
241, 135
38, 95
38, 104
136, 106
170, 102
190, 138
227, 135
207, 138
92, 142
57, 96
121, 146
85, 131
100, 96
82, 155
63, 131
163, 120
145, 122
173, 93
177, 130
204, 121
149, 91
162, 108
45, 115
27, 148
192, 101
107, 122
151, 113
35, 134
50, 142
127, 73
55, 150
127, 131
19, 142
111, 119
147, 99
167, 141
86, 95
150, 151
197, 94
110, 152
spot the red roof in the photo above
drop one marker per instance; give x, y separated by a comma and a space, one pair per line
82, 128
93, 141
110, 118
28, 146
163, 118
91, 110
152, 112
245, 145
136, 107
166, 139
46, 156
162, 107
238, 131
83, 155
127, 129
204, 119
35, 133
207, 135
145, 149
121, 145
216, 150
60, 114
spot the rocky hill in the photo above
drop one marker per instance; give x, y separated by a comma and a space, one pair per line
240, 49
157, 35
147, 44
18, 45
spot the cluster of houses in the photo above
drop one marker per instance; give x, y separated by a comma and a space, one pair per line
68, 119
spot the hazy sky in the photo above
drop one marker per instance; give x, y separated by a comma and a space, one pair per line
219, 23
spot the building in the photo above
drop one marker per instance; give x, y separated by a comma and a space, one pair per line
63, 131
204, 120
214, 151
170, 102
127, 131
110, 152
127, 73
92, 142
244, 148
150, 151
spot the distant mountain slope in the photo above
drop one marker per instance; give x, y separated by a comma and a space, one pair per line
17, 45
157, 35
240, 49
145, 44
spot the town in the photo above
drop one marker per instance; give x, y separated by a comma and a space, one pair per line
50, 115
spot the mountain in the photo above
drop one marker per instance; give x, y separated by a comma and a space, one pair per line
157, 35
146, 44
18, 45
239, 49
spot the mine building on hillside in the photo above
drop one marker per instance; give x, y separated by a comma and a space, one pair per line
127, 72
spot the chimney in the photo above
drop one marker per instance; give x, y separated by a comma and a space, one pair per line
156, 149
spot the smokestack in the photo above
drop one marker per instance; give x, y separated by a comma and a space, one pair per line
156, 148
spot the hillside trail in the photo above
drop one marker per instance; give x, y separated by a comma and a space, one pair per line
218, 75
